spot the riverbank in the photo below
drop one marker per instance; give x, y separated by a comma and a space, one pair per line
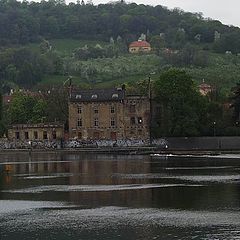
124, 151
181, 146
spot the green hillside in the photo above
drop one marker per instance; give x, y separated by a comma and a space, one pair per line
49, 41
220, 70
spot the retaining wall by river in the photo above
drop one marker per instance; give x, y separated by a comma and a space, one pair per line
180, 143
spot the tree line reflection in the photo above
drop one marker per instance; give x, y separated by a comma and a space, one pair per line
102, 171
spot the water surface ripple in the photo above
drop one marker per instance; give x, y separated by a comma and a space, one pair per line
88, 196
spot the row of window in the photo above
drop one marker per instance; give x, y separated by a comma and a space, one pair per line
96, 122
132, 109
79, 109
95, 96
36, 135
133, 121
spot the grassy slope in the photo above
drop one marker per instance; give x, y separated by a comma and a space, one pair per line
66, 46
223, 70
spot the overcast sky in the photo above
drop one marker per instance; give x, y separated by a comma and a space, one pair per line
227, 11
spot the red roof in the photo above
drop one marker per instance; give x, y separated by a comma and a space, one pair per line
139, 44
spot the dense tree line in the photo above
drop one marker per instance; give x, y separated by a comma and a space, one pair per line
187, 35
21, 67
185, 112
46, 106
2, 127
24, 22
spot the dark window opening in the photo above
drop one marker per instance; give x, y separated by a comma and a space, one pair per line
132, 109
79, 135
96, 123
112, 109
113, 135
95, 110
133, 121
54, 135
79, 122
113, 123
79, 109
35, 135
45, 135
17, 135
26, 135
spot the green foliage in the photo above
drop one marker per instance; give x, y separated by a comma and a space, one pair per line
49, 19
107, 69
229, 41
2, 126
235, 99
183, 109
25, 108
157, 44
56, 108
20, 66
107, 51
66, 27
189, 55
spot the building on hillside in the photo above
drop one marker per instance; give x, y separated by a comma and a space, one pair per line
41, 131
205, 88
108, 114
139, 47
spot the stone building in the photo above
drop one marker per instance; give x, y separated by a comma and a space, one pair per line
42, 131
108, 114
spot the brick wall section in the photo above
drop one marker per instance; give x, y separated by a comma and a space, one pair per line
31, 132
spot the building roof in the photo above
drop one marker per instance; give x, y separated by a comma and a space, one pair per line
97, 95
140, 44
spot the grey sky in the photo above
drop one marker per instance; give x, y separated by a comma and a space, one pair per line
227, 11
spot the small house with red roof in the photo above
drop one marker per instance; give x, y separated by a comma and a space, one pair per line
139, 46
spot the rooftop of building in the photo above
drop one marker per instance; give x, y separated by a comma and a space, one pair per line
139, 44
97, 95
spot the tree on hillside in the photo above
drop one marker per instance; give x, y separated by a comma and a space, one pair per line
25, 108
157, 43
235, 102
183, 109
57, 105
2, 128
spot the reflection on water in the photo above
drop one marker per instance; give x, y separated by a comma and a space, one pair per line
87, 196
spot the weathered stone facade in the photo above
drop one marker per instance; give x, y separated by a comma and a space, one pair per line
42, 131
108, 114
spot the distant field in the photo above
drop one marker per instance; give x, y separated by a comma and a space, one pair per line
60, 80
66, 46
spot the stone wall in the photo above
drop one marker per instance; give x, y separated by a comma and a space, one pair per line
199, 143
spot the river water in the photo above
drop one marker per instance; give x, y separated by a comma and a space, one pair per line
89, 196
